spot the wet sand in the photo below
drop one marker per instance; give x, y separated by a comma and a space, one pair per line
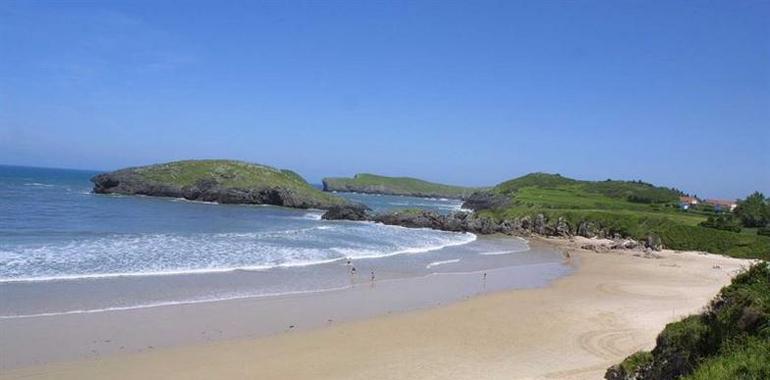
612, 305
45, 322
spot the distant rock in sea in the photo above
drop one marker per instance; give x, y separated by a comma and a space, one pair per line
222, 181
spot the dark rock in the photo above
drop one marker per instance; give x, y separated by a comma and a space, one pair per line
616, 372
598, 248
526, 223
506, 227
354, 211
586, 229
562, 228
539, 225
653, 242
624, 244
485, 200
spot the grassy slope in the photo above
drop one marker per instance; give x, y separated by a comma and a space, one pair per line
630, 208
229, 173
730, 340
401, 185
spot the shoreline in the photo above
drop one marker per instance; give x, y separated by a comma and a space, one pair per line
613, 304
75, 312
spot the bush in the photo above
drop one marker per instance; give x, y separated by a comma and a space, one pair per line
722, 222
754, 211
764, 231
748, 361
697, 238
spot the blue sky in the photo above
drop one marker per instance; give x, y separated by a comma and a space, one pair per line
675, 93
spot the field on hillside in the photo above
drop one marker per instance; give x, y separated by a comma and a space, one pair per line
629, 208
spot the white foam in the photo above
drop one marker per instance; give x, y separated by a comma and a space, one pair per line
370, 254
173, 254
193, 201
312, 216
170, 303
495, 253
443, 262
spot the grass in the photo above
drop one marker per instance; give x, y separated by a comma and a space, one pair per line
747, 362
630, 208
730, 340
371, 183
230, 174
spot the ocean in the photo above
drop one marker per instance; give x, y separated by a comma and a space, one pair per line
64, 249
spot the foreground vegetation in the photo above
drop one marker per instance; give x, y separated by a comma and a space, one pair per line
628, 208
730, 340
377, 184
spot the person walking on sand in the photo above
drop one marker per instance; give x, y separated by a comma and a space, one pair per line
372, 276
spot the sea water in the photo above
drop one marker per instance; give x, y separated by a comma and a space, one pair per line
64, 249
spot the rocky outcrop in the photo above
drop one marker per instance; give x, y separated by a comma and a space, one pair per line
485, 200
353, 211
653, 242
220, 181
457, 222
484, 225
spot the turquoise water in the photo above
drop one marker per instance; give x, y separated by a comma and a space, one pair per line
53, 227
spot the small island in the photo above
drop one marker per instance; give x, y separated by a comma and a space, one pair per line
377, 184
221, 181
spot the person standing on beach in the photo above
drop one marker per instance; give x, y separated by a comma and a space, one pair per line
352, 276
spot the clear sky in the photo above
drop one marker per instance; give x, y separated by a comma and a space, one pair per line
475, 92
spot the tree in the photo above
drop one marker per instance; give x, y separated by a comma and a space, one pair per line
754, 211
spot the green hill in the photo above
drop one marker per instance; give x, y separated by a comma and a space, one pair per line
223, 181
376, 184
629, 208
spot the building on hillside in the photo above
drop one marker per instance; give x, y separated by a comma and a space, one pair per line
721, 204
686, 201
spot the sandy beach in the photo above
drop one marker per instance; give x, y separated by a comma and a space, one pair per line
613, 304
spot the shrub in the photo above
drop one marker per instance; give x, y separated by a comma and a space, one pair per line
722, 222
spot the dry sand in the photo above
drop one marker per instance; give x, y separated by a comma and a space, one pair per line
614, 304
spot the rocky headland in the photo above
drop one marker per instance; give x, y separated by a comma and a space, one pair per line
222, 181
539, 225
377, 184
